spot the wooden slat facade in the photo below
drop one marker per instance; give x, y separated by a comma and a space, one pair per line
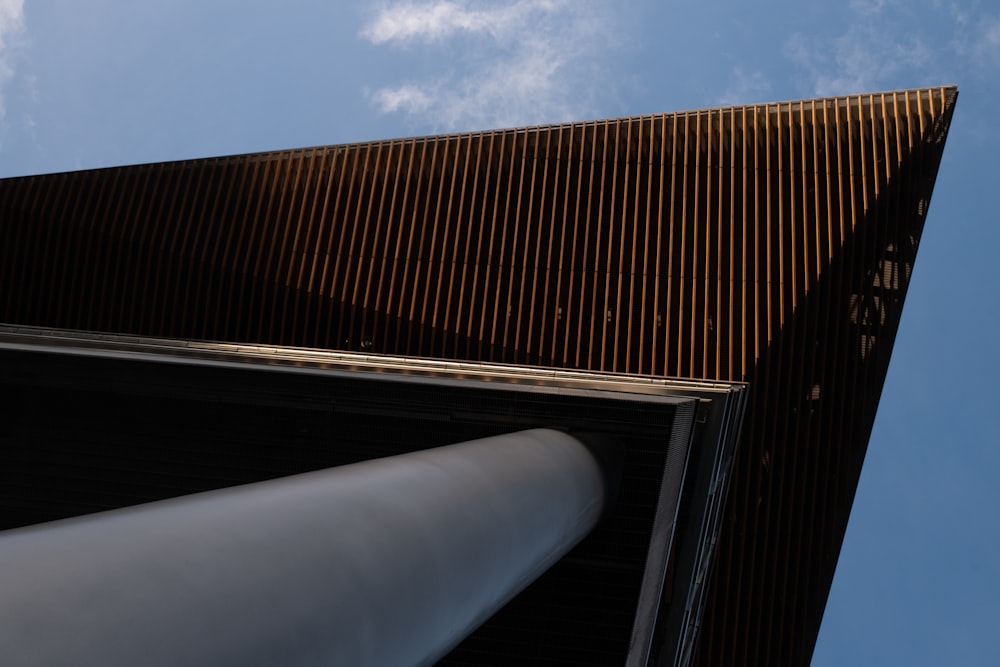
770, 243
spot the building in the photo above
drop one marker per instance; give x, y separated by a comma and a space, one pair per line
767, 246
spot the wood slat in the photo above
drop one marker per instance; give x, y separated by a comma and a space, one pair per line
771, 244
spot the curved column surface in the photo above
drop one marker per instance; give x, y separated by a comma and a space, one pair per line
388, 562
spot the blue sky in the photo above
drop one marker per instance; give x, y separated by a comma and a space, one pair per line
111, 82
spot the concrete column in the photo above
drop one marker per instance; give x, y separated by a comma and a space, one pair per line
387, 562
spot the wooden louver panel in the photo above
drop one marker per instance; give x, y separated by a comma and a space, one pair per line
769, 243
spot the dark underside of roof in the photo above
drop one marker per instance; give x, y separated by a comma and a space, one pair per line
88, 430
771, 244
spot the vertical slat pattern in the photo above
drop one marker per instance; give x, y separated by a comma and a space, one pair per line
770, 243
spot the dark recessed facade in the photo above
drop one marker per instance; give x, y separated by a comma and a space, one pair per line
770, 245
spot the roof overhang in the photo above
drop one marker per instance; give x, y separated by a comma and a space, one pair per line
676, 437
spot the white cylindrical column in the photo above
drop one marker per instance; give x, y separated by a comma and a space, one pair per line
387, 562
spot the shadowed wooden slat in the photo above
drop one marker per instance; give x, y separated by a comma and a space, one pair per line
769, 243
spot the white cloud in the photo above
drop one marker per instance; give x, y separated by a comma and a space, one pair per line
958, 13
866, 57
528, 61
507, 92
11, 29
986, 43
11, 19
431, 21
883, 47
975, 42
407, 98
870, 7
746, 87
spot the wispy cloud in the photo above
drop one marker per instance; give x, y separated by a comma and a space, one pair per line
983, 46
884, 46
11, 20
870, 7
430, 21
746, 87
866, 57
11, 29
513, 63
